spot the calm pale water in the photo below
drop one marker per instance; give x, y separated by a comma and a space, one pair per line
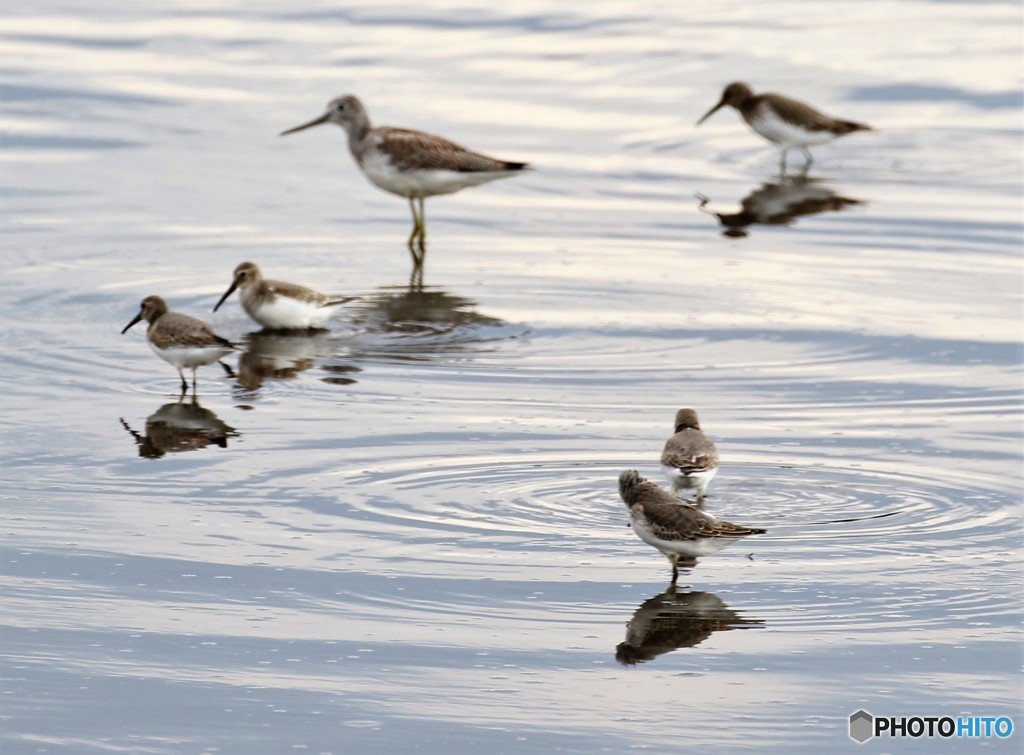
404, 534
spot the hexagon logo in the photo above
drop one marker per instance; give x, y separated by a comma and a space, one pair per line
862, 726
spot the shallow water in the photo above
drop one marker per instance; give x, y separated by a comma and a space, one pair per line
404, 532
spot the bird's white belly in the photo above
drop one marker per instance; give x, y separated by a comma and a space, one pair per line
692, 548
692, 480
190, 357
421, 182
775, 129
284, 312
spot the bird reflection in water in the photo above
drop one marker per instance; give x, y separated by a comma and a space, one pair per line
283, 354
180, 426
412, 323
780, 203
418, 323
674, 620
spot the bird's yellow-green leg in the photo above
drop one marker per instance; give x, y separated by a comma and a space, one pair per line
419, 233
423, 230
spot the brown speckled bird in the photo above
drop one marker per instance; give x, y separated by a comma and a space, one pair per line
180, 340
677, 529
411, 164
279, 305
689, 459
784, 121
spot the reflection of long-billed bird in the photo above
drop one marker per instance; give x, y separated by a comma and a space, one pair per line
690, 459
781, 203
279, 355
411, 164
784, 121
672, 620
422, 324
410, 309
180, 340
279, 305
677, 529
178, 427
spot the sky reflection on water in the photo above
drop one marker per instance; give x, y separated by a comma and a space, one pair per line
404, 530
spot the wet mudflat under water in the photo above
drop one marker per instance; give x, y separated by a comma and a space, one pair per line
404, 533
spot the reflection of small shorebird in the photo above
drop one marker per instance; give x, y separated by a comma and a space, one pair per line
178, 427
411, 164
784, 121
279, 355
180, 340
690, 459
780, 203
672, 620
278, 305
677, 529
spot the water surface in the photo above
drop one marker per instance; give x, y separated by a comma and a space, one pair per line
404, 532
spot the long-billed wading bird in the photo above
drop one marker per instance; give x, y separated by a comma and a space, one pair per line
278, 305
690, 459
411, 164
784, 121
677, 529
180, 340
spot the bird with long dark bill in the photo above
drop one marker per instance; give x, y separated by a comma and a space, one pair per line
180, 340
784, 121
411, 164
279, 305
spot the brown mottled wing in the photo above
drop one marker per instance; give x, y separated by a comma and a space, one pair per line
691, 451
176, 329
415, 150
679, 521
812, 119
295, 291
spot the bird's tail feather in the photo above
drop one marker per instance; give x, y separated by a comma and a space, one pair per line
848, 127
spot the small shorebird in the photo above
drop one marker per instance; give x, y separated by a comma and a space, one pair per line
784, 121
411, 164
678, 530
278, 305
180, 340
689, 459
